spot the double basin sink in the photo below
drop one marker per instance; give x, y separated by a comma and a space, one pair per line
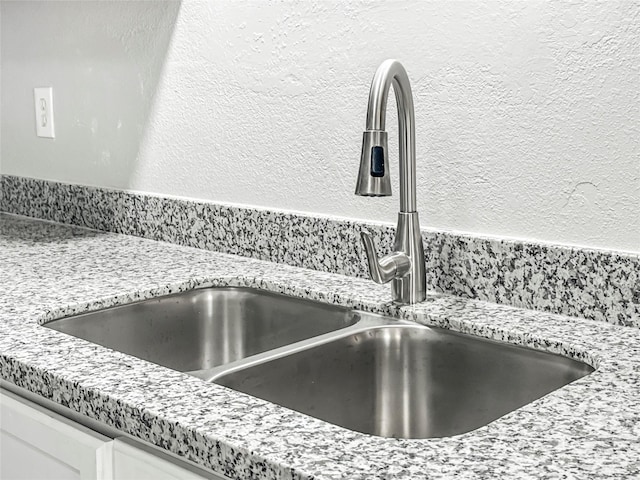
364, 372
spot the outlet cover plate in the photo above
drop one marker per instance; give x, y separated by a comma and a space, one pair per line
43, 99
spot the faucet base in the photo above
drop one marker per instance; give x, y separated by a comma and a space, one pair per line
411, 287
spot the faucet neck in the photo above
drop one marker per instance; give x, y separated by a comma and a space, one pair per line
392, 72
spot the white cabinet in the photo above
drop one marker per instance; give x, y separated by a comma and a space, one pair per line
131, 462
39, 444
36, 443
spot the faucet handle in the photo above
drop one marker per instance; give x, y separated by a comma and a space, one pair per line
393, 265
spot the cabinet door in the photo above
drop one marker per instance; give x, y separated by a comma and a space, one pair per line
36, 443
135, 461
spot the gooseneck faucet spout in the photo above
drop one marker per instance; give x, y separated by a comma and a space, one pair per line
404, 267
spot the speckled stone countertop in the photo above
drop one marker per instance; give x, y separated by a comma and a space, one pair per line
588, 429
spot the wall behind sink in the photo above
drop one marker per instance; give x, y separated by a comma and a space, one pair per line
528, 113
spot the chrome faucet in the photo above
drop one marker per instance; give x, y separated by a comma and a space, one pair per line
404, 267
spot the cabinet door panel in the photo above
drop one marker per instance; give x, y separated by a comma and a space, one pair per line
131, 462
22, 461
37, 443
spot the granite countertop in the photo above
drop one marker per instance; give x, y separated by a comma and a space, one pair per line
588, 429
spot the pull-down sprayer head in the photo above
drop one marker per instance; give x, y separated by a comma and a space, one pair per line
373, 177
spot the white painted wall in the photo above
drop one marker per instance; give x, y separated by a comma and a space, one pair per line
528, 113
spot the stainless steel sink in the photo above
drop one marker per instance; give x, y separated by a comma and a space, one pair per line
405, 380
365, 372
205, 328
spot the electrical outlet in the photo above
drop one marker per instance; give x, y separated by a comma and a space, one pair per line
43, 98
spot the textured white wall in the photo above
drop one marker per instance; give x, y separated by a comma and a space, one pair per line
528, 113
